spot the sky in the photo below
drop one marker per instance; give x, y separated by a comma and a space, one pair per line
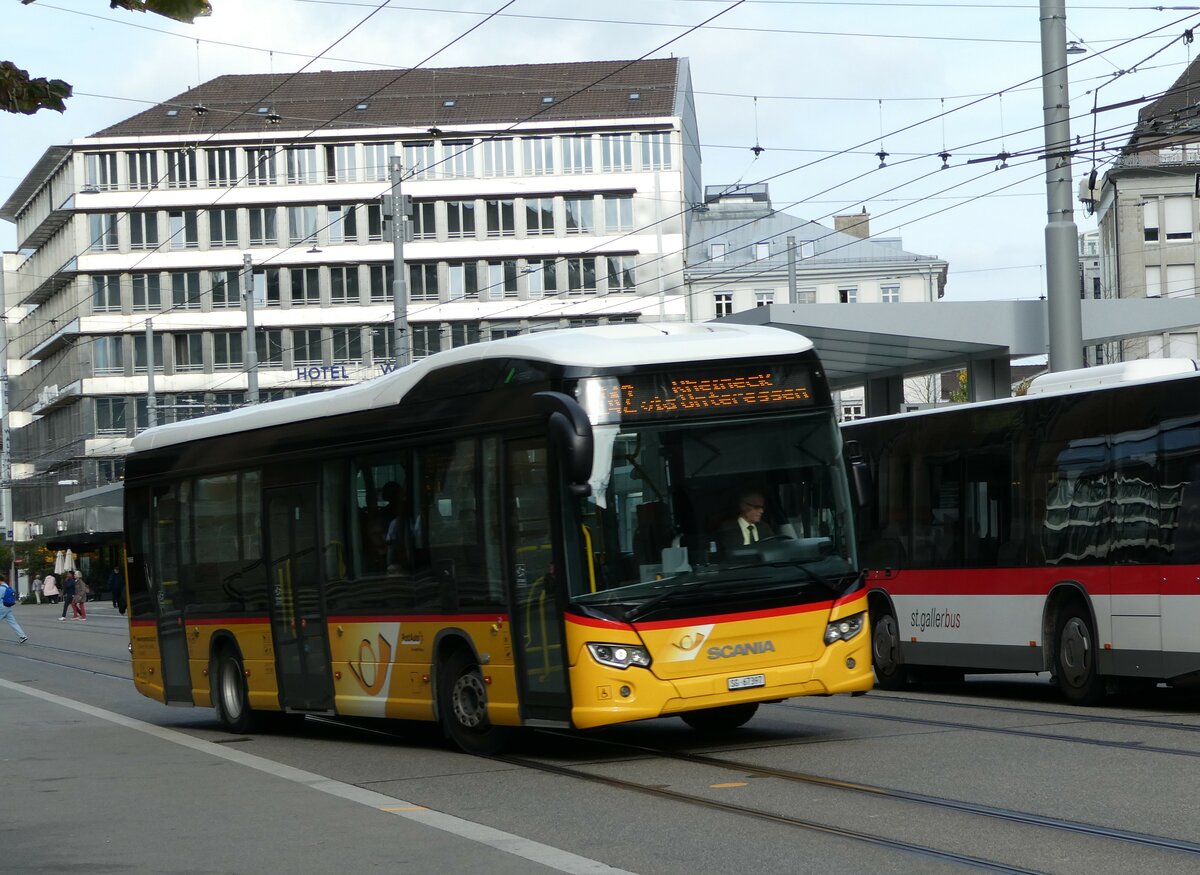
820, 86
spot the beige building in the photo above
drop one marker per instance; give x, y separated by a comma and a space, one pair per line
543, 196
1149, 220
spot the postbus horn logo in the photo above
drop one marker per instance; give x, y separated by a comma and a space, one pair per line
366, 654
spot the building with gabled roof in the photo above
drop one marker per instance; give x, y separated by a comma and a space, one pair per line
1149, 223
543, 195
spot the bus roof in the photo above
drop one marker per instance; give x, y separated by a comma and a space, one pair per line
604, 346
1110, 375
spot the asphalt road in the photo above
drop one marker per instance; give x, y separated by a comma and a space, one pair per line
992, 775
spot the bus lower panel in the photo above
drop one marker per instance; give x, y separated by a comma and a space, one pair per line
979, 658
597, 693
1173, 666
974, 657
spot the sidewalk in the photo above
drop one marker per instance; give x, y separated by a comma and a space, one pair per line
87, 789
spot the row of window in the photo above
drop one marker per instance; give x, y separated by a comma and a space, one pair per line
452, 158
415, 528
367, 345
1178, 280
723, 302
718, 252
482, 218
1168, 219
517, 278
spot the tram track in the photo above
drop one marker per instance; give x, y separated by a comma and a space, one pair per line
1027, 733
1089, 714
634, 752
912, 848
945, 804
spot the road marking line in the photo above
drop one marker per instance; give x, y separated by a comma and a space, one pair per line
545, 855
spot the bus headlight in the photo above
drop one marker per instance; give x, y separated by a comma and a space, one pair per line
844, 629
620, 655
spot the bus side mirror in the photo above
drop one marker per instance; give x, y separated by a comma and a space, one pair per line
860, 474
570, 431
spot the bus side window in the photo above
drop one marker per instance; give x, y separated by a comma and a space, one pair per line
381, 531
335, 556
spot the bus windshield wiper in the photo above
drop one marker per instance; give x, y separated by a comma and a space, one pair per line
685, 588
812, 576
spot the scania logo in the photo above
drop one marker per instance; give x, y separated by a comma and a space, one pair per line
746, 649
690, 641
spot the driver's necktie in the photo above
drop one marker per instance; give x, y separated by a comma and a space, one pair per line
751, 533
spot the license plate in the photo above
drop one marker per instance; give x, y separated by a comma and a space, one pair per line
747, 681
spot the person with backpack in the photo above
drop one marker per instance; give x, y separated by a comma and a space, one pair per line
68, 592
8, 598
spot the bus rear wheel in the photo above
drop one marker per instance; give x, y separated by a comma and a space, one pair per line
723, 719
230, 696
890, 673
1075, 656
462, 706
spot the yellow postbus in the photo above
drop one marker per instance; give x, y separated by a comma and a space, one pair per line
533, 531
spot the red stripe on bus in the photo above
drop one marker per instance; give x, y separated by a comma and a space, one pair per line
732, 618
419, 618
1101, 580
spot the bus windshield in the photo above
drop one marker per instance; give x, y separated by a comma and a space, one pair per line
701, 506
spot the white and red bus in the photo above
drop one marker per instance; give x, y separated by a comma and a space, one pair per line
1059, 532
516, 533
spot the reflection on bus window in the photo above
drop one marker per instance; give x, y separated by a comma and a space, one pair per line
670, 492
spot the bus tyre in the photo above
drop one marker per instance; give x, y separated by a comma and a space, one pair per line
724, 719
890, 673
462, 706
229, 693
1075, 656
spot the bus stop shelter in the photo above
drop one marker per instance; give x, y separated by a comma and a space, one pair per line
877, 346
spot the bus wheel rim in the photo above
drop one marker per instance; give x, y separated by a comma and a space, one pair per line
886, 644
469, 700
1075, 652
230, 693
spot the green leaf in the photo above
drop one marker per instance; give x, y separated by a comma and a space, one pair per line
21, 93
179, 10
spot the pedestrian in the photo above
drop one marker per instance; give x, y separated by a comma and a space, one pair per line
116, 586
79, 606
68, 592
6, 611
50, 588
37, 588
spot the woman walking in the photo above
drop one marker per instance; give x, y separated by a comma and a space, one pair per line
79, 605
50, 588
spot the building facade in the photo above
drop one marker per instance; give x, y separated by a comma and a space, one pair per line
1148, 215
742, 253
542, 196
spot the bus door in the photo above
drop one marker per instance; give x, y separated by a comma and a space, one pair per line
297, 616
536, 586
169, 517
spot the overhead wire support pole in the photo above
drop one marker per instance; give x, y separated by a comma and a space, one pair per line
399, 229
1063, 313
6, 449
151, 400
251, 341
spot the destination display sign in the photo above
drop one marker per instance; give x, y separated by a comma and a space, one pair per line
698, 393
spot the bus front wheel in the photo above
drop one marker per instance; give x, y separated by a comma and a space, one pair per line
890, 673
462, 706
230, 696
724, 719
1075, 656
